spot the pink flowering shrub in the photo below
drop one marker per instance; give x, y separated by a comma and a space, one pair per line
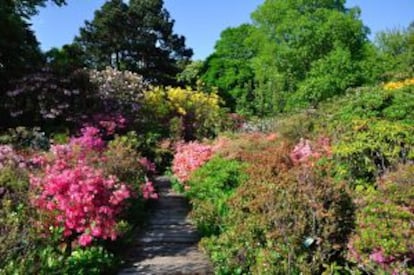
108, 124
89, 140
76, 188
189, 157
81, 199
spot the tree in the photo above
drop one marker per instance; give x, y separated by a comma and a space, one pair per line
28, 8
294, 37
230, 70
19, 49
396, 50
137, 36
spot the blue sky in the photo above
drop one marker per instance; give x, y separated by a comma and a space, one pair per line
201, 21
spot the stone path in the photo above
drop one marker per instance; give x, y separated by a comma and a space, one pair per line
169, 243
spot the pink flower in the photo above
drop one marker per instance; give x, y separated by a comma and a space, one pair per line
147, 164
301, 152
189, 157
377, 256
148, 191
85, 239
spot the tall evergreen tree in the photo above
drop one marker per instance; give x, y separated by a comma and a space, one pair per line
137, 36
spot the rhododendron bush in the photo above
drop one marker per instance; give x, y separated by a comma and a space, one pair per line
74, 191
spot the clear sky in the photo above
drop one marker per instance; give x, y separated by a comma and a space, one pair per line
201, 21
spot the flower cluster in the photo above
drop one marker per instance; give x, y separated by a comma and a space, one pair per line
108, 124
81, 199
198, 112
148, 191
74, 194
304, 150
189, 157
119, 91
9, 157
89, 140
394, 85
148, 165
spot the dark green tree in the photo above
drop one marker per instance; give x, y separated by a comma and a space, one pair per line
137, 36
19, 49
230, 70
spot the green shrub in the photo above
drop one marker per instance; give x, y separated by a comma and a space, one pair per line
23, 138
372, 131
292, 223
209, 190
16, 231
91, 260
384, 237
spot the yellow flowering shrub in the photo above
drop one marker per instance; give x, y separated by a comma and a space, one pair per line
193, 114
393, 85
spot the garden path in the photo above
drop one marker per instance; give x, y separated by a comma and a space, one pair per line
169, 244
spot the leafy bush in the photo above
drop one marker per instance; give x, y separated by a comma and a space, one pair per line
288, 217
372, 131
90, 260
16, 232
187, 114
50, 99
209, 190
26, 138
384, 237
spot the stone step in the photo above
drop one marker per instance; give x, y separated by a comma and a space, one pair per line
159, 236
143, 251
170, 265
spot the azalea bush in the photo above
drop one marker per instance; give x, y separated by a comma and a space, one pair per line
78, 190
188, 114
372, 131
383, 240
189, 157
71, 193
269, 207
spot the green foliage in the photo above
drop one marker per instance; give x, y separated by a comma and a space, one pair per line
209, 190
307, 52
328, 76
283, 219
229, 68
136, 36
16, 231
396, 52
372, 131
26, 138
91, 260
190, 76
384, 225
